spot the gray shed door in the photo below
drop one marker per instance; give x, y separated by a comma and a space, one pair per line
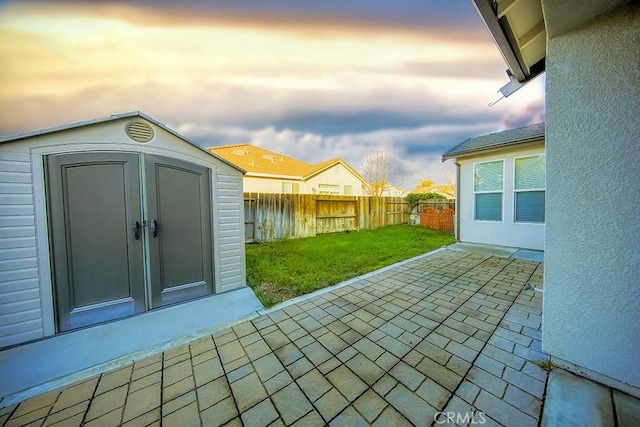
99, 235
97, 262
179, 229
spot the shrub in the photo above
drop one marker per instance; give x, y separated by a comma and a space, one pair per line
415, 198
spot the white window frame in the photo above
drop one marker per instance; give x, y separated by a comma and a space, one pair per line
330, 189
515, 190
501, 192
290, 187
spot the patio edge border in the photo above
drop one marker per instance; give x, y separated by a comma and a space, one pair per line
287, 303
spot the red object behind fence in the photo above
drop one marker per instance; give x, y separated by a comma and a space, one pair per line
442, 220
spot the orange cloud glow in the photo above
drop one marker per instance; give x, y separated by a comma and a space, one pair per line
223, 74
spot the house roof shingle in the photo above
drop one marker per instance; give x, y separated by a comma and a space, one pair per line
258, 160
496, 140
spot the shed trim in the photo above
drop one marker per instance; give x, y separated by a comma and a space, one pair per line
113, 117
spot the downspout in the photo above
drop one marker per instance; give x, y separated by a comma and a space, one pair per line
457, 227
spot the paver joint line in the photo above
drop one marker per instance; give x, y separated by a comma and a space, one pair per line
358, 353
486, 342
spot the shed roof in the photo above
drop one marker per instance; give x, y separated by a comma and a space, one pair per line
496, 140
113, 117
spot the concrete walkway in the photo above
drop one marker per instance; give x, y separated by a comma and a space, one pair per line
449, 337
574, 401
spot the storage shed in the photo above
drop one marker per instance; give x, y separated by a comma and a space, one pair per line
118, 235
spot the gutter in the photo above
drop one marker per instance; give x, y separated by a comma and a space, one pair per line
457, 227
493, 148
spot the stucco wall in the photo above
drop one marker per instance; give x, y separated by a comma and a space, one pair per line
592, 261
506, 232
338, 175
265, 185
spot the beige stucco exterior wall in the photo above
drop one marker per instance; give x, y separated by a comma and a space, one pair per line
506, 232
265, 185
337, 175
592, 260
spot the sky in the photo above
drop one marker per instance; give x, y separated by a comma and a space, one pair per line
312, 80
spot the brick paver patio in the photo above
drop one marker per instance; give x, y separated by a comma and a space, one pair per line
452, 334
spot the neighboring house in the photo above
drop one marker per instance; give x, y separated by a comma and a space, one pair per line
271, 172
501, 188
448, 191
384, 189
118, 235
394, 191
590, 51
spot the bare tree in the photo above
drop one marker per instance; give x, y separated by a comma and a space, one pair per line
381, 169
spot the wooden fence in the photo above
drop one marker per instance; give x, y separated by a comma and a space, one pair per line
282, 216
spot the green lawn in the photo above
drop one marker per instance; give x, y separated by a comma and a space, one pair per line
281, 270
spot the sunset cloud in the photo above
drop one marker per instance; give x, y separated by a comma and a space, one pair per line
314, 81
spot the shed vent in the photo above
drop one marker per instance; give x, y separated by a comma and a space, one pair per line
139, 131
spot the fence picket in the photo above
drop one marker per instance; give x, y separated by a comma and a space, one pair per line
282, 216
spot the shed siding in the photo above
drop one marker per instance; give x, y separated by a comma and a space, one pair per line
25, 308
230, 235
20, 305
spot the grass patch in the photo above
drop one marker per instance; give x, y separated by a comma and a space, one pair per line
545, 364
281, 270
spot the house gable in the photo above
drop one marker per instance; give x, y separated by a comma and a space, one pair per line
272, 172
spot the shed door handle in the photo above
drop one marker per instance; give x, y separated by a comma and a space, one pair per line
136, 229
153, 227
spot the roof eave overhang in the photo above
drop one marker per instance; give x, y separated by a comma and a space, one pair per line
519, 74
468, 153
250, 174
488, 15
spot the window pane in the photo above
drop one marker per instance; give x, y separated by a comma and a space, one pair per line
530, 172
348, 190
329, 186
296, 188
488, 176
530, 206
286, 187
489, 207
